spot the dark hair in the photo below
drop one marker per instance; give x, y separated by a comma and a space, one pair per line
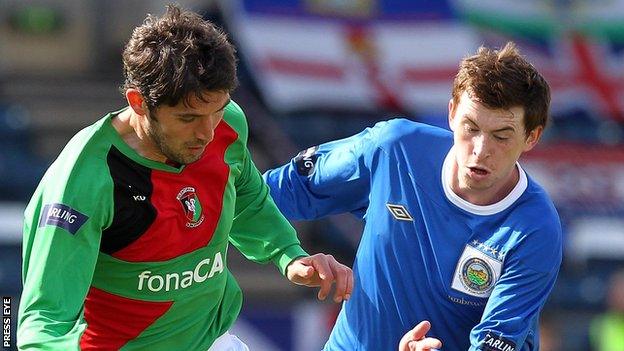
180, 53
503, 79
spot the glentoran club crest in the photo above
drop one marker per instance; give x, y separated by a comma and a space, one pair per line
191, 206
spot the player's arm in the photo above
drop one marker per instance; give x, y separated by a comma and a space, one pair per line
262, 234
513, 308
327, 179
62, 232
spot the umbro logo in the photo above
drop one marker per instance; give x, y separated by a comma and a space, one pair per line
399, 212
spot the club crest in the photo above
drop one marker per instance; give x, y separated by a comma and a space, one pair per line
191, 206
476, 272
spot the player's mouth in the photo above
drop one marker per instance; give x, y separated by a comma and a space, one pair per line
196, 149
478, 172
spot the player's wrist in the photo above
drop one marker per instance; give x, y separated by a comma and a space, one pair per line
287, 256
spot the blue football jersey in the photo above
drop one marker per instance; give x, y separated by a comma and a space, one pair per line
480, 274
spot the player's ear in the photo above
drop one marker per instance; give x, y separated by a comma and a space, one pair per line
136, 101
451, 113
533, 138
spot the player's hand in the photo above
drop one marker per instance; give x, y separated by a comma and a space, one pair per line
322, 270
415, 340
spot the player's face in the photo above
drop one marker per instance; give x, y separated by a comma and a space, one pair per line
487, 146
181, 132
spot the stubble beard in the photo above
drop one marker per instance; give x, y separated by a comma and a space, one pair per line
157, 136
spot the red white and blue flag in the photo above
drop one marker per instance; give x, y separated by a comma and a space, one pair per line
371, 54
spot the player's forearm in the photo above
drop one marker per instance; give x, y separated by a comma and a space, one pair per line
259, 231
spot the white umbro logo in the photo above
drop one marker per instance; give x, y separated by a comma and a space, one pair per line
399, 212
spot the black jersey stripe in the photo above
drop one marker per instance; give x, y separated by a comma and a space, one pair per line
133, 211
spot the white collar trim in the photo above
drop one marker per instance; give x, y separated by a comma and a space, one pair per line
486, 210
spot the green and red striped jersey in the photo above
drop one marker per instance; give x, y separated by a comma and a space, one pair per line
122, 252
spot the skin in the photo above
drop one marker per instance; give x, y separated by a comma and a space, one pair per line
180, 134
487, 145
322, 270
177, 133
416, 340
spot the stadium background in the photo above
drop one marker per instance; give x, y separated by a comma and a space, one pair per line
315, 70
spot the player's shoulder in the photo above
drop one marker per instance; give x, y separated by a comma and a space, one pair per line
539, 216
80, 173
86, 150
400, 126
537, 232
416, 134
235, 117
89, 144
233, 111
539, 206
79, 178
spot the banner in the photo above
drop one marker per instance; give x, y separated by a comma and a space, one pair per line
579, 178
358, 55
402, 55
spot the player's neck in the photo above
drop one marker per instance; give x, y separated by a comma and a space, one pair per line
131, 131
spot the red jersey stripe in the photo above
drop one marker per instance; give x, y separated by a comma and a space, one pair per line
114, 320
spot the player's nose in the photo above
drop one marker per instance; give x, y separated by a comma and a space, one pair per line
205, 130
481, 146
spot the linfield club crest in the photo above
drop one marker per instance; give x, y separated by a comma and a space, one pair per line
477, 275
476, 272
191, 206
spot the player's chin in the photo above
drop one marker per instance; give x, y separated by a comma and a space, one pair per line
188, 158
478, 184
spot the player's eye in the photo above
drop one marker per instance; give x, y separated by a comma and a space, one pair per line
500, 137
470, 129
187, 119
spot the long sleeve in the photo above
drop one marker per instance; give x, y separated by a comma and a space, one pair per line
62, 231
259, 231
328, 179
512, 311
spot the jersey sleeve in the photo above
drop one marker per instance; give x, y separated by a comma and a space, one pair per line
327, 179
512, 311
259, 231
62, 231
